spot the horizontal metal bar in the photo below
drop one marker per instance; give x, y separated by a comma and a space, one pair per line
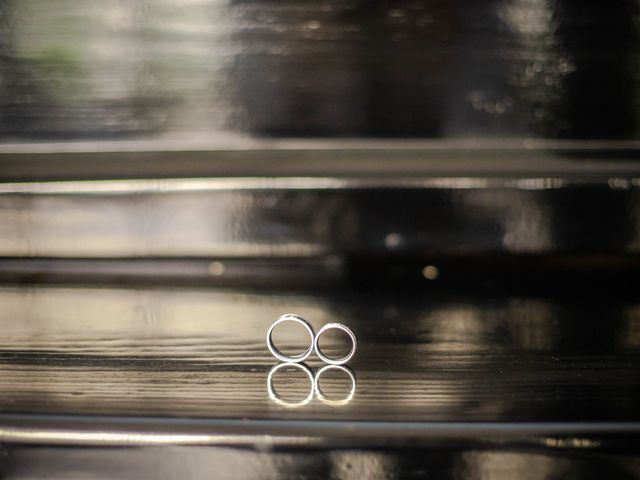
286, 158
121, 431
100, 187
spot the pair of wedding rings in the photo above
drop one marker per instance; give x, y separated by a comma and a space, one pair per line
314, 343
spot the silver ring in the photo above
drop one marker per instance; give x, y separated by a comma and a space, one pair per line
326, 359
322, 397
273, 395
288, 317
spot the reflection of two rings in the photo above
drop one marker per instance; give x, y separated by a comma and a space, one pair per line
314, 385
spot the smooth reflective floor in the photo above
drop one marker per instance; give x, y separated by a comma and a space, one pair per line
428, 357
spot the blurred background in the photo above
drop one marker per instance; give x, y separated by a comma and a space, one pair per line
217, 69
458, 182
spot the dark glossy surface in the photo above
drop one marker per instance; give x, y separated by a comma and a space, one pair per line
201, 353
301, 218
501, 68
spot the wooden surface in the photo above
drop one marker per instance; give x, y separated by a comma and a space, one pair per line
201, 353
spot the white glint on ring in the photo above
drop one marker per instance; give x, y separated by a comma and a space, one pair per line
338, 326
288, 317
273, 395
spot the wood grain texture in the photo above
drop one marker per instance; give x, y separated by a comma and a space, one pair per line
201, 353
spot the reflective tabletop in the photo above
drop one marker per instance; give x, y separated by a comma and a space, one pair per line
433, 357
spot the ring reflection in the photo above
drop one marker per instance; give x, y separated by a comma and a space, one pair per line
329, 401
273, 395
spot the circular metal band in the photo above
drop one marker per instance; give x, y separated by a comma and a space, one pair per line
322, 397
326, 359
273, 395
288, 317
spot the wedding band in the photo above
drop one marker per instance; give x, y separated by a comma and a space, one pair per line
322, 397
339, 361
274, 395
288, 317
